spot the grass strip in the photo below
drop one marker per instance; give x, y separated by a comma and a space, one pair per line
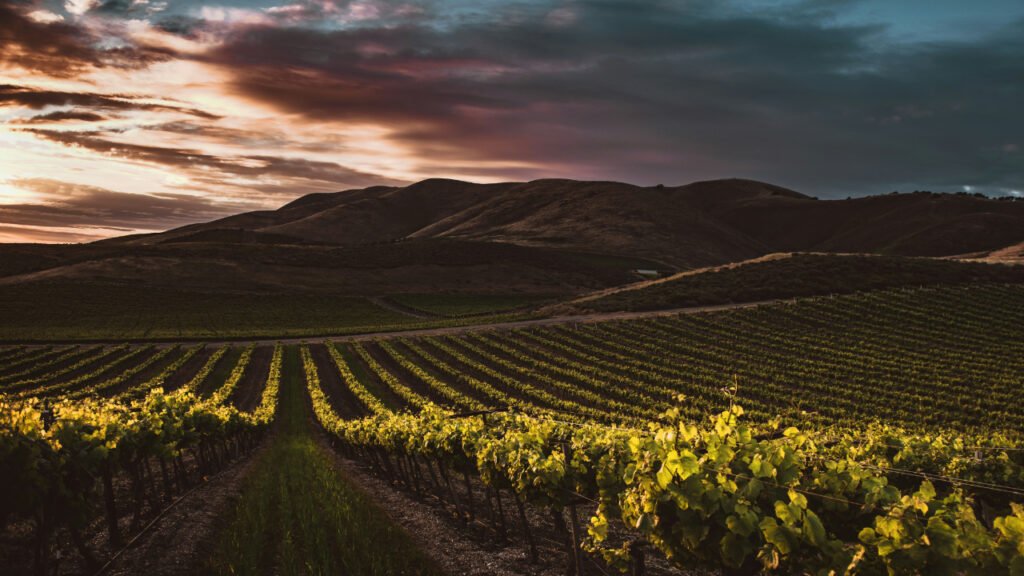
298, 515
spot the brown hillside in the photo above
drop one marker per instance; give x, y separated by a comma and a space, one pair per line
918, 224
555, 236
416, 266
699, 224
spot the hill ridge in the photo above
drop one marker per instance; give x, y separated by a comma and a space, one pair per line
545, 236
699, 224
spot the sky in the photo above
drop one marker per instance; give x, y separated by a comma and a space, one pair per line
123, 116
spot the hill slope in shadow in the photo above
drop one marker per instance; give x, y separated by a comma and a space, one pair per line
545, 236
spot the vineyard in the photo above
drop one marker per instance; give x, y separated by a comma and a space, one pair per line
100, 312
866, 434
800, 274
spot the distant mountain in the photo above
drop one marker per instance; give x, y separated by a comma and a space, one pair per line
699, 224
560, 237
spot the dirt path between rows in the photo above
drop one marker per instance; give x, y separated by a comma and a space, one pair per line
185, 373
472, 549
443, 331
178, 543
249, 391
453, 549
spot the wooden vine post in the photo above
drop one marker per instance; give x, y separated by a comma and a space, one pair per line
109, 505
526, 529
574, 521
636, 558
496, 512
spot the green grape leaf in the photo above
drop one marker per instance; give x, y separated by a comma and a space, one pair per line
688, 432
814, 530
797, 499
644, 523
630, 474
942, 537
599, 528
742, 523
1011, 527
664, 477
926, 492
785, 513
776, 536
683, 464
734, 550
1017, 566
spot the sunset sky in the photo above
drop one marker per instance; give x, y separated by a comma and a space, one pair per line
118, 116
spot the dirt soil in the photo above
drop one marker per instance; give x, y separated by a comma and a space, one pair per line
471, 550
408, 380
457, 554
179, 541
247, 395
144, 376
189, 369
338, 393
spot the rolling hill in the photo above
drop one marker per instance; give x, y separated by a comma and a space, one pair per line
703, 223
546, 236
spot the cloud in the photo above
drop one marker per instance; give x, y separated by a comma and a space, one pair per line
118, 6
49, 234
258, 172
65, 205
44, 17
36, 99
525, 89
330, 94
79, 7
348, 11
658, 92
180, 24
63, 116
33, 41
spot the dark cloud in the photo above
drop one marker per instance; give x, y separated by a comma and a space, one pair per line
283, 175
255, 139
37, 99
63, 49
58, 49
66, 205
118, 7
180, 24
354, 12
63, 116
662, 92
646, 91
317, 14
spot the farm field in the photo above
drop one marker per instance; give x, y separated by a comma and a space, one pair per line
616, 436
337, 528
785, 275
104, 312
451, 305
531, 288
